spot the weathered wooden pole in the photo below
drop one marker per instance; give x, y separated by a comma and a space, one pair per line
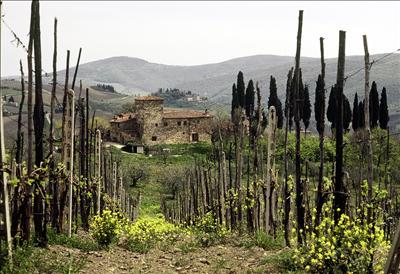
339, 200
53, 181
287, 198
299, 185
98, 142
320, 195
270, 178
5, 221
71, 96
114, 185
370, 177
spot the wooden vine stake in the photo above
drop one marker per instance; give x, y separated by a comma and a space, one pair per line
70, 160
5, 220
270, 168
98, 142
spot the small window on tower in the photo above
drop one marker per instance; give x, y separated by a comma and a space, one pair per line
165, 124
179, 123
184, 123
154, 138
156, 125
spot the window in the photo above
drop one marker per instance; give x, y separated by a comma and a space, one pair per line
156, 125
183, 132
165, 124
184, 123
154, 138
195, 137
179, 123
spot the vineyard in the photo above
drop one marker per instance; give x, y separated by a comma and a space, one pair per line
265, 195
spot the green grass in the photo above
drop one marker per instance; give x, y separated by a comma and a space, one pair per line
84, 244
282, 260
27, 259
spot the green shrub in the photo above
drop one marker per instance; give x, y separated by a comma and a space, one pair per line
106, 227
150, 232
350, 246
208, 231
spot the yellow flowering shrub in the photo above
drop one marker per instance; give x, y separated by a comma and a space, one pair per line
106, 227
148, 232
350, 246
208, 230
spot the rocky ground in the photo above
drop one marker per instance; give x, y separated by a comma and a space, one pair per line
215, 259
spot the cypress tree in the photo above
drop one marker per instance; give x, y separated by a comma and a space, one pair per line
361, 115
354, 121
306, 108
279, 114
330, 114
301, 95
383, 110
235, 100
288, 99
319, 105
273, 96
273, 100
249, 101
374, 106
241, 89
347, 115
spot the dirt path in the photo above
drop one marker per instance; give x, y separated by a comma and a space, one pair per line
215, 259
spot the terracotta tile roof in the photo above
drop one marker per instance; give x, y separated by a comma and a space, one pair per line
123, 117
184, 113
149, 98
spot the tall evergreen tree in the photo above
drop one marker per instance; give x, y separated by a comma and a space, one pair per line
289, 99
301, 95
361, 115
354, 122
347, 115
319, 105
330, 114
306, 108
241, 90
383, 110
249, 100
374, 106
273, 93
279, 114
235, 100
273, 100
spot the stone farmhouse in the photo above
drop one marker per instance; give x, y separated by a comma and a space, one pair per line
151, 123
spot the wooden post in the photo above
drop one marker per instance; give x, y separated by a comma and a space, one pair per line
287, 198
98, 142
114, 185
4, 199
299, 185
370, 177
339, 200
71, 96
320, 195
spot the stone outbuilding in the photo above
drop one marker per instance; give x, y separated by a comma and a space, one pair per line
151, 123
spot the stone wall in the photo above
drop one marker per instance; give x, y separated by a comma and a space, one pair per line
182, 130
149, 115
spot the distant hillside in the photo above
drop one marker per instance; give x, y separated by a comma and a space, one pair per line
137, 76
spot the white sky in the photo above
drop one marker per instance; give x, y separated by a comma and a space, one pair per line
192, 33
